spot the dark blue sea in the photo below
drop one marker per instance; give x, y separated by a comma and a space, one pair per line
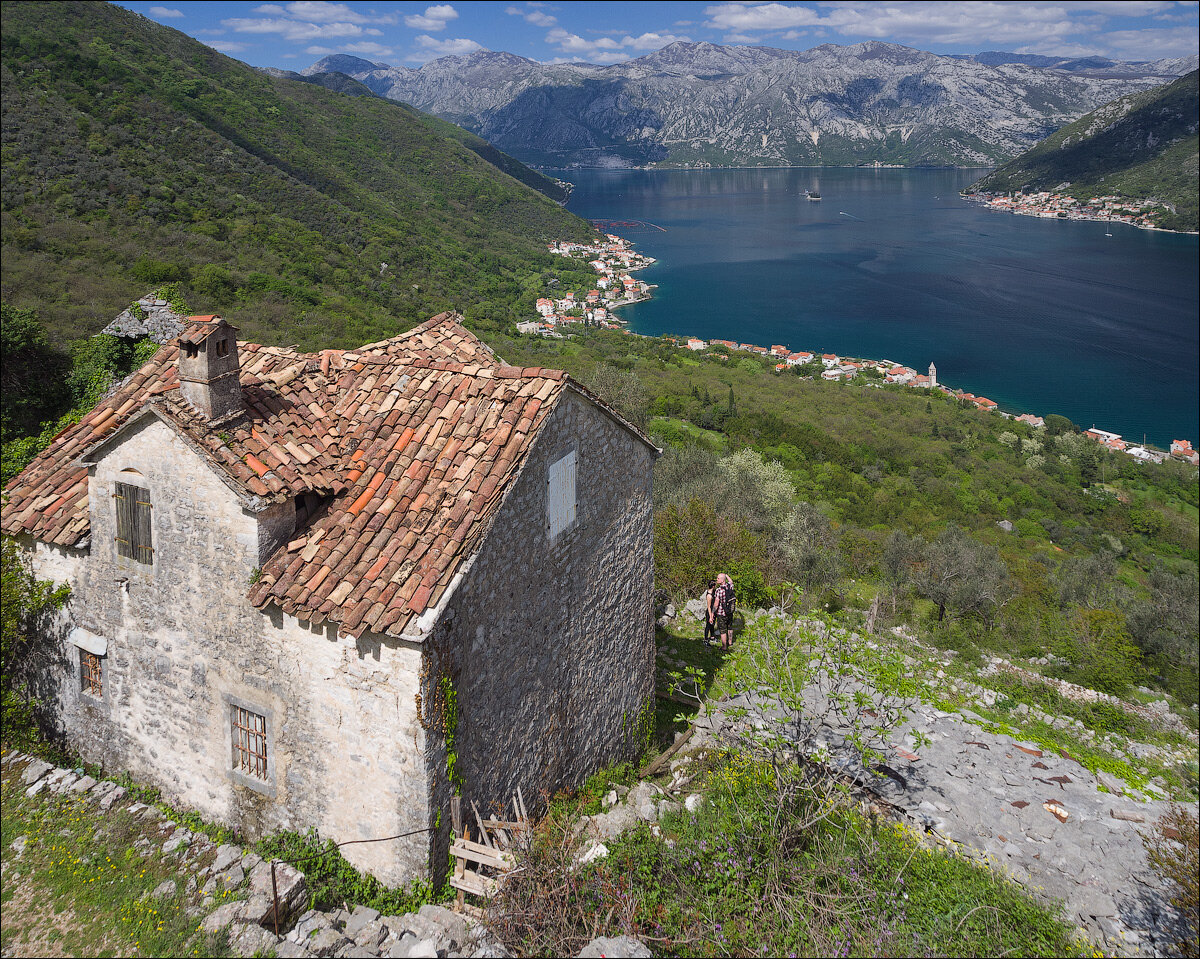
1042, 316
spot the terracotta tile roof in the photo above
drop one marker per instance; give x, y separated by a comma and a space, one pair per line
414, 441
197, 328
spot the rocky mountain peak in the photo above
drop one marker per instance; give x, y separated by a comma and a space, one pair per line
343, 63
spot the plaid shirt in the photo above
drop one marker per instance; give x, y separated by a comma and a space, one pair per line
723, 602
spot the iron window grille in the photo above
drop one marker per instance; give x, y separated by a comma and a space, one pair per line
249, 743
91, 674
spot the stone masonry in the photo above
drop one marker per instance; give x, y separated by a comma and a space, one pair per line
324, 555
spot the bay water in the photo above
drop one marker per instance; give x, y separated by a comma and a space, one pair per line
1040, 315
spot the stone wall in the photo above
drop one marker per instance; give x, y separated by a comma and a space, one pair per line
551, 643
183, 646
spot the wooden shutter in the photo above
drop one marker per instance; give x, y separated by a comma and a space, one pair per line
134, 536
560, 495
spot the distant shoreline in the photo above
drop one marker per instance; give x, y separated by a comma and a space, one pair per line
986, 199
781, 166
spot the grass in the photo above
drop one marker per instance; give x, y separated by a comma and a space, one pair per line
80, 887
736, 878
746, 874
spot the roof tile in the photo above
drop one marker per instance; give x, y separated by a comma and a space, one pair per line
413, 441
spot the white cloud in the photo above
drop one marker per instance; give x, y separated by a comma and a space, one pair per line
431, 48
769, 16
367, 49
165, 13
532, 15
226, 46
434, 18
1151, 44
608, 49
318, 11
651, 41
298, 30
997, 25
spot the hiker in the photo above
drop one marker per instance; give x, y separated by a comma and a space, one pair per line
710, 612
725, 604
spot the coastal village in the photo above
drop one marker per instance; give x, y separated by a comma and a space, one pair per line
614, 260
1112, 209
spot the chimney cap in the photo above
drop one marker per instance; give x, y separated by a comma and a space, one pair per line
198, 328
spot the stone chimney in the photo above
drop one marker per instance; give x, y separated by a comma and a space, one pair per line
209, 367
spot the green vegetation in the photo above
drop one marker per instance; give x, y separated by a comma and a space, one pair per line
1174, 851
135, 156
80, 886
27, 602
1143, 146
722, 881
889, 497
47, 389
777, 858
333, 882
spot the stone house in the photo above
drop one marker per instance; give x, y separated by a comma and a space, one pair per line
281, 563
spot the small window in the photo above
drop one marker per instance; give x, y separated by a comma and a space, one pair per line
192, 350
133, 523
249, 743
91, 674
223, 347
560, 496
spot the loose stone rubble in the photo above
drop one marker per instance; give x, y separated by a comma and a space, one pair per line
1038, 817
151, 316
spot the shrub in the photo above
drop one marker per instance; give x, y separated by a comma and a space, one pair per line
334, 883
1174, 851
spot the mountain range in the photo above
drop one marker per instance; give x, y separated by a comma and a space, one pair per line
1142, 146
135, 156
704, 104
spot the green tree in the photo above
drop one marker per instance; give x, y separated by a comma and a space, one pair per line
27, 602
1056, 424
622, 390
1165, 623
31, 380
960, 574
899, 562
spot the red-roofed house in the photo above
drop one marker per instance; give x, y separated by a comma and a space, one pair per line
280, 562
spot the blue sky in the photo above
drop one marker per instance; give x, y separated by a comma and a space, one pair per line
295, 35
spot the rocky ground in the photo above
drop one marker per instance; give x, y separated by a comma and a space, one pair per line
1035, 815
230, 887
1038, 817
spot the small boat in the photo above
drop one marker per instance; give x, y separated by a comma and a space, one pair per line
814, 196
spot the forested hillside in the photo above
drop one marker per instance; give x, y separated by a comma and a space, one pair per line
135, 156
1142, 146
